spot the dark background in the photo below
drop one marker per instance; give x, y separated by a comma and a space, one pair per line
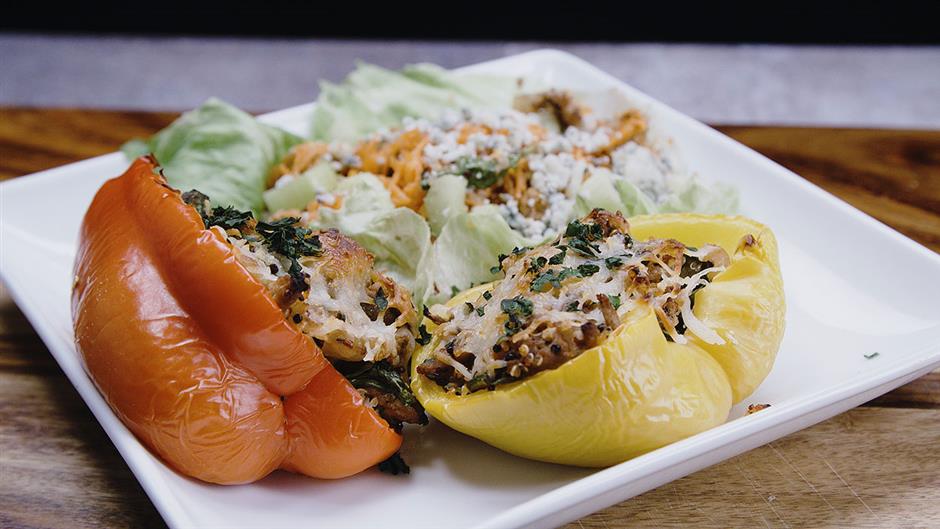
772, 21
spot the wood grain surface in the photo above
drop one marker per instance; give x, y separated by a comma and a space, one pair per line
874, 466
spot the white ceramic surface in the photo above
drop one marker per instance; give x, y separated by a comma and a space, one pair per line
853, 287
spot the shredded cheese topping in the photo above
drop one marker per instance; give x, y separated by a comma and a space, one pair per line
560, 299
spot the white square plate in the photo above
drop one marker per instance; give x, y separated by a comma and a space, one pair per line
853, 287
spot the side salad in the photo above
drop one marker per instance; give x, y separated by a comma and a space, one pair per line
436, 173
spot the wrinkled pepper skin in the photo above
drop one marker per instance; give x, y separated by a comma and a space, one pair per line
638, 391
194, 356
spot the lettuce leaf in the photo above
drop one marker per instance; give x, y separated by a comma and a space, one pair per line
691, 194
446, 198
605, 190
469, 245
219, 150
372, 98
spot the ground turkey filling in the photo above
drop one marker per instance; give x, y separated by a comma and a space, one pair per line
560, 299
327, 286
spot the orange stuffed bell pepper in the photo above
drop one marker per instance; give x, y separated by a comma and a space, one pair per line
232, 347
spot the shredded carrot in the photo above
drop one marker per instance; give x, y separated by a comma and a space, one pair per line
399, 163
299, 159
470, 129
630, 125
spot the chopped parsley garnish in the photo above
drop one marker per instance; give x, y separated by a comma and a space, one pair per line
579, 230
552, 279
581, 236
285, 237
518, 250
518, 309
380, 300
613, 262
572, 307
479, 311
470, 307
454, 290
480, 173
536, 264
502, 257
587, 269
583, 247
488, 295
559, 257
227, 218
424, 337
517, 306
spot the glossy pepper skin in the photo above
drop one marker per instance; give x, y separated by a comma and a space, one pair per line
638, 391
195, 357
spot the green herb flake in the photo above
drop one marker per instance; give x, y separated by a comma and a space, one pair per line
488, 295
588, 232
613, 262
583, 247
517, 306
424, 337
285, 237
518, 309
614, 301
380, 300
536, 264
227, 218
559, 257
552, 279
480, 173
298, 278
587, 270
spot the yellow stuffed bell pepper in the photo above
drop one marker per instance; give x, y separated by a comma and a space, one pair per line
586, 353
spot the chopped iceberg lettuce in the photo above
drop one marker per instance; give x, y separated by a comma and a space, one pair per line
469, 246
372, 98
221, 151
445, 199
692, 194
297, 191
605, 190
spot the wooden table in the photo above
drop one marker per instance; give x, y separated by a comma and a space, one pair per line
874, 466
